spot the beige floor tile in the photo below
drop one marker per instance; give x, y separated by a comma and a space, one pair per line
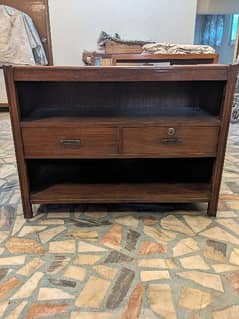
62, 247
217, 233
86, 247
83, 234
157, 263
12, 261
218, 268
127, 221
160, 300
194, 299
18, 245
27, 230
113, 238
194, 262
106, 272
53, 294
87, 259
198, 223
93, 293
204, 279
159, 235
185, 246
227, 313
154, 275
234, 258
172, 223
28, 288
31, 267
76, 273
17, 311
49, 234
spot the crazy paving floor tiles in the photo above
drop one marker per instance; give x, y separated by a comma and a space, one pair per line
125, 262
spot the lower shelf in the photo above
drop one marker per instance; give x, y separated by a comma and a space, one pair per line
121, 193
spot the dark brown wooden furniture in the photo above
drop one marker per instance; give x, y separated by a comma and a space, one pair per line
120, 134
172, 58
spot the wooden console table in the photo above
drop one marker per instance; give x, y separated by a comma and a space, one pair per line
120, 134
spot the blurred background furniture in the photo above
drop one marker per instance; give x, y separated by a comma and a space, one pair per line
38, 10
120, 59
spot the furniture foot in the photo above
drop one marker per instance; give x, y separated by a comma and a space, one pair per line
28, 212
212, 209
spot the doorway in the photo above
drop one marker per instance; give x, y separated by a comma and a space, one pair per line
220, 31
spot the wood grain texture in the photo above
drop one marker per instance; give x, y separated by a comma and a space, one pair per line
225, 116
114, 123
121, 74
122, 193
187, 142
17, 135
49, 142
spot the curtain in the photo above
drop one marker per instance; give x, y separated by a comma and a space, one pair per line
213, 30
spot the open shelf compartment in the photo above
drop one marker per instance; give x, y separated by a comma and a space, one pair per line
120, 180
185, 100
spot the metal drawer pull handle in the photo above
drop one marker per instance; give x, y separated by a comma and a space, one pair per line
70, 142
170, 141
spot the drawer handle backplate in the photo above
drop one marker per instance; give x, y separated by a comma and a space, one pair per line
67, 142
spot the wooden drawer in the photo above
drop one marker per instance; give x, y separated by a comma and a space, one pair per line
171, 141
69, 142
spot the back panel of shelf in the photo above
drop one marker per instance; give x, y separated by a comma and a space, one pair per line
43, 100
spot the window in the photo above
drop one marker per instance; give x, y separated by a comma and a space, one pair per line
235, 21
213, 29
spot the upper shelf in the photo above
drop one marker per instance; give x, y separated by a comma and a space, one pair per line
58, 116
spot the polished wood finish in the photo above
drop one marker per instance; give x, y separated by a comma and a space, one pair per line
21, 163
172, 58
219, 162
120, 134
69, 142
38, 10
186, 142
122, 193
123, 74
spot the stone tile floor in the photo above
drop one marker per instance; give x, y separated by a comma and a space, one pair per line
126, 262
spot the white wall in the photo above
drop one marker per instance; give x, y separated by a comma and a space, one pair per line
218, 6
76, 24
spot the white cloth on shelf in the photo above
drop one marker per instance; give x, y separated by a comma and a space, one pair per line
19, 40
170, 48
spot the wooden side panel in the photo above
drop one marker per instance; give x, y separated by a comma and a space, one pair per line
17, 135
223, 135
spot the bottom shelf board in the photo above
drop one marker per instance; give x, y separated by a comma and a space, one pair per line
121, 193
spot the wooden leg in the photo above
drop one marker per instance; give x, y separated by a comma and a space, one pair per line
212, 208
27, 210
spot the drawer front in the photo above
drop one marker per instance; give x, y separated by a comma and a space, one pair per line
171, 141
69, 142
